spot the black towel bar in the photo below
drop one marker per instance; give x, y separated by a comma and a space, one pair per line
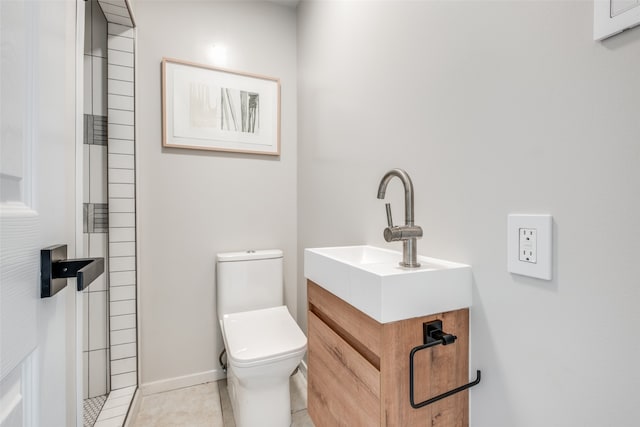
433, 335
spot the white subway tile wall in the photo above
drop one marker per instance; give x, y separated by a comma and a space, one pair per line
97, 177
122, 293
85, 172
85, 330
120, 308
123, 351
99, 93
124, 336
122, 248
122, 219
117, 57
123, 278
97, 245
121, 117
117, 131
97, 321
121, 147
97, 372
98, 32
126, 321
121, 190
85, 374
122, 264
95, 339
124, 380
120, 73
109, 336
120, 102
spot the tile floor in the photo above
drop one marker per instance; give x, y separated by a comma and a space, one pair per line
209, 405
91, 408
115, 409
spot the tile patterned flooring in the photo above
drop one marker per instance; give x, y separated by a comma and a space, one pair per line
209, 405
91, 409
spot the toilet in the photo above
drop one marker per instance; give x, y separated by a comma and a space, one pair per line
264, 344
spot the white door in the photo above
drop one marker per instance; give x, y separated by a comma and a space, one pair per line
37, 209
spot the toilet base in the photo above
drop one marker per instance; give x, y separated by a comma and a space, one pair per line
263, 402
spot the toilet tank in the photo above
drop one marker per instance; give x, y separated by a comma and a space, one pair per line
249, 280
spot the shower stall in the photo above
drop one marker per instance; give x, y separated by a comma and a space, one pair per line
109, 342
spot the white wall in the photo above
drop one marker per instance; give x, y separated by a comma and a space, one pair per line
492, 108
194, 204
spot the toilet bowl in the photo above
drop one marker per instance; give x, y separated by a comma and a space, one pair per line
263, 348
263, 342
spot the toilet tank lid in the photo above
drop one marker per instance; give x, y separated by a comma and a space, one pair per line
249, 255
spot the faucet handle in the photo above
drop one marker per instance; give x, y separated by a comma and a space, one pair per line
389, 219
402, 232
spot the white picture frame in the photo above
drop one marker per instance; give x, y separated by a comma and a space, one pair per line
611, 17
209, 108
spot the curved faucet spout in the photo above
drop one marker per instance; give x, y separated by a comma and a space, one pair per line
408, 191
409, 233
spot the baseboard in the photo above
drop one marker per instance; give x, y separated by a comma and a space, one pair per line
181, 382
303, 368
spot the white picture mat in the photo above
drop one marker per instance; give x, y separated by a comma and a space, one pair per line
179, 130
608, 19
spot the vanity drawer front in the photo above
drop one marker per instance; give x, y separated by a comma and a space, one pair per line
359, 330
344, 388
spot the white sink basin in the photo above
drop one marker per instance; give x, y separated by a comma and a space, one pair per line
370, 279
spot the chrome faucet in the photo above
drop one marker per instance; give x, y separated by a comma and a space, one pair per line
408, 233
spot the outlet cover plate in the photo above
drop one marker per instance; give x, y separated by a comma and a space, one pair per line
543, 229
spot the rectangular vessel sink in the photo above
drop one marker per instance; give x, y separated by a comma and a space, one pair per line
370, 279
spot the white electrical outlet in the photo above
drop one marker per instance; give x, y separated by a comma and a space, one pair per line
528, 252
529, 245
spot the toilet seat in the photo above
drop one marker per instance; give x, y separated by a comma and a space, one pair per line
262, 336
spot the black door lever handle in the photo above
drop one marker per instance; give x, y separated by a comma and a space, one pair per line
55, 268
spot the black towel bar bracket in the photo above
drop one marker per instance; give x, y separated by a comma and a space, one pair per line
433, 336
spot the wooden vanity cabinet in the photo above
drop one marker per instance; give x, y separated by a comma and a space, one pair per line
358, 369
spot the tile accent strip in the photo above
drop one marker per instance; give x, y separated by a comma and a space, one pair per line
95, 129
95, 217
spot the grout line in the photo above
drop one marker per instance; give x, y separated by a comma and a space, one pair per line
122, 66
118, 94
115, 14
120, 50
111, 3
120, 80
128, 372
119, 35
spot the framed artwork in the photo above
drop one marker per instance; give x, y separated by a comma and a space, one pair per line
611, 17
208, 108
